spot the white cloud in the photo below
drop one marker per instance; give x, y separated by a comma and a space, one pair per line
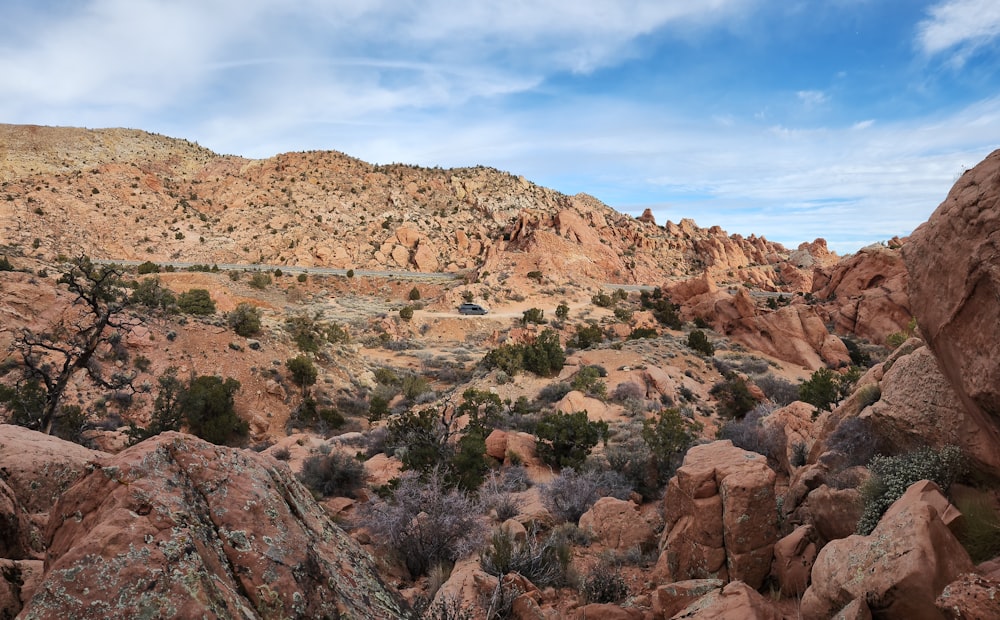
812, 97
959, 25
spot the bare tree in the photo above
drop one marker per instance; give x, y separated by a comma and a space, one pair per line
49, 359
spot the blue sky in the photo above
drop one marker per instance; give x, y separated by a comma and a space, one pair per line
846, 119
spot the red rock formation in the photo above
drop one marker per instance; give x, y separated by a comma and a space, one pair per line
736, 601
970, 596
618, 524
177, 527
953, 261
898, 570
865, 293
721, 516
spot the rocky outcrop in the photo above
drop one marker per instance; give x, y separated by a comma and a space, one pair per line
918, 407
794, 556
865, 293
39, 467
618, 524
953, 261
898, 570
736, 601
970, 596
15, 527
177, 527
721, 517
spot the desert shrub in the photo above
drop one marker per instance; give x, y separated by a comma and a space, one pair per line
562, 311
414, 294
630, 456
425, 523
604, 584
627, 390
668, 436
588, 381
196, 301
570, 494
750, 434
980, 529
800, 454
282, 453
260, 280
643, 332
515, 478
869, 395
302, 277
509, 358
602, 300
310, 415
147, 267
778, 390
305, 331
244, 319
536, 558
892, 475
859, 357
209, 408
151, 293
663, 310
698, 341
430, 441
544, 357
5, 264
733, 396
586, 336
303, 371
406, 313
565, 439
413, 386
623, 314
332, 475
857, 440
826, 387
533, 315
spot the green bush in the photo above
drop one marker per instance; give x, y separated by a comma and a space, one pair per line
698, 341
562, 311
302, 277
533, 315
892, 475
209, 408
196, 301
151, 293
260, 280
414, 294
825, 387
588, 381
643, 332
5, 264
623, 314
303, 371
544, 357
733, 396
663, 310
586, 336
406, 313
668, 436
332, 475
244, 319
147, 267
565, 439
602, 300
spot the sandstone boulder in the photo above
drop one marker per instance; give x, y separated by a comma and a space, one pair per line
18, 581
970, 596
618, 524
794, 556
672, 598
496, 444
736, 601
39, 467
721, 516
898, 570
918, 407
178, 527
607, 611
953, 261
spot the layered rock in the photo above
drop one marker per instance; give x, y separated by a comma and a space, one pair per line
953, 261
721, 517
897, 571
177, 527
865, 294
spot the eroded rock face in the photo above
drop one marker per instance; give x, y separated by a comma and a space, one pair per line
177, 527
721, 516
736, 601
953, 261
39, 467
898, 570
619, 525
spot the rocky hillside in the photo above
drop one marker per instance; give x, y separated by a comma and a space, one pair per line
126, 194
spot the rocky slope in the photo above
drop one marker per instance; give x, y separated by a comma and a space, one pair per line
73, 189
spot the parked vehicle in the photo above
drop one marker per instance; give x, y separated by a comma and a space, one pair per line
472, 309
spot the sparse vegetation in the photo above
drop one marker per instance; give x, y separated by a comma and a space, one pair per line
245, 320
698, 341
196, 301
565, 439
333, 474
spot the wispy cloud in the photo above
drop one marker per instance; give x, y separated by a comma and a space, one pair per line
959, 27
812, 97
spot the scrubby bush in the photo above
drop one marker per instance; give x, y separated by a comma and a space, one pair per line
565, 439
627, 390
554, 392
425, 523
209, 408
698, 341
260, 280
588, 381
733, 396
196, 301
332, 475
750, 434
570, 494
151, 293
663, 310
602, 300
892, 475
562, 311
544, 357
605, 584
414, 294
303, 372
979, 532
586, 336
668, 436
406, 313
643, 332
147, 267
778, 390
537, 559
533, 315
244, 319
623, 314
